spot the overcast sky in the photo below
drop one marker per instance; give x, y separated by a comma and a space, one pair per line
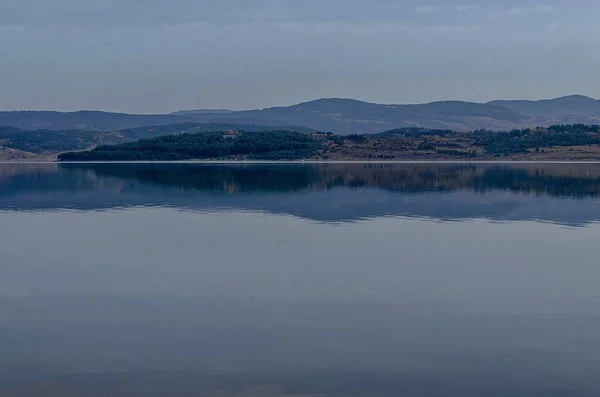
159, 56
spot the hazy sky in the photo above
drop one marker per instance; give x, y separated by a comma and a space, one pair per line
159, 56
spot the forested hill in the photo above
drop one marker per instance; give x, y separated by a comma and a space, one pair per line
559, 142
275, 145
55, 141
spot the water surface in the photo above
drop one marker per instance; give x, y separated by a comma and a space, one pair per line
299, 280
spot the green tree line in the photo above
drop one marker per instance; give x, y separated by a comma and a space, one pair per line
273, 145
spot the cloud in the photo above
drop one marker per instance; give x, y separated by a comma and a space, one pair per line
364, 29
428, 8
449, 7
343, 28
464, 7
451, 28
539, 9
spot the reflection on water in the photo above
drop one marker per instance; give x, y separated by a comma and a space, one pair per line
562, 193
299, 280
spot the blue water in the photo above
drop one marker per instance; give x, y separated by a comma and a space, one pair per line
299, 280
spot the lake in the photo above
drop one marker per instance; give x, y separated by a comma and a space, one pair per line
299, 280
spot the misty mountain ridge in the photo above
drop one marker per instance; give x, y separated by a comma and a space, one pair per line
90, 120
201, 111
561, 109
338, 115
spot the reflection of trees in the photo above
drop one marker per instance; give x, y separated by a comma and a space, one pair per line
222, 178
44, 178
570, 180
554, 180
561, 180
522, 181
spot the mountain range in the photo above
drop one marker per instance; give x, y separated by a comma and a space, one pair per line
337, 115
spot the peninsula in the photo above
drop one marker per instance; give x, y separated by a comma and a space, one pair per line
558, 142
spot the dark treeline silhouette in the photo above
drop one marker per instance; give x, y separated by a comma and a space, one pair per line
273, 145
39, 141
52, 141
276, 143
414, 132
521, 141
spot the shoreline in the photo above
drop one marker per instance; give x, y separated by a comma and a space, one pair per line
299, 162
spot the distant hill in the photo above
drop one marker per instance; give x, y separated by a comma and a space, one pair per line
51, 141
84, 120
341, 116
347, 116
564, 110
202, 111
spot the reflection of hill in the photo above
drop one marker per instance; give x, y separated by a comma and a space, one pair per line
565, 181
326, 192
215, 178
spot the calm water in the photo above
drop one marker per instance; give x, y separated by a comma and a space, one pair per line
299, 280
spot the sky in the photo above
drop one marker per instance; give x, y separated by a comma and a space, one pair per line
155, 56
